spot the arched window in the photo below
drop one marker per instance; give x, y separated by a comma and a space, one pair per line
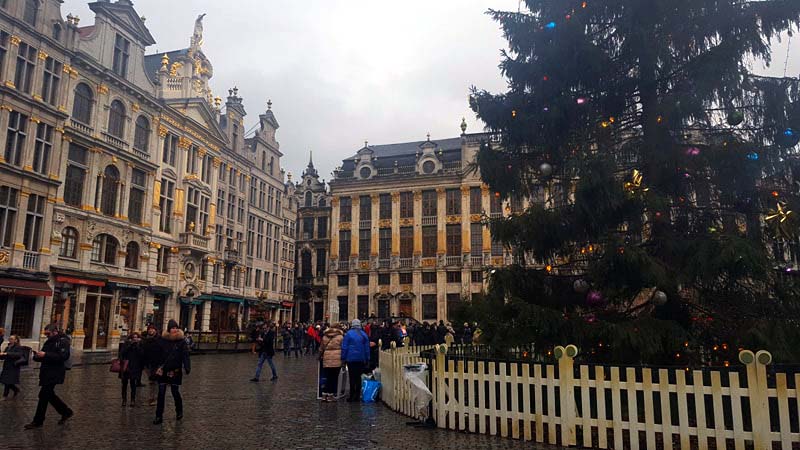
104, 249
108, 202
322, 202
132, 255
116, 119
69, 242
308, 198
82, 106
141, 136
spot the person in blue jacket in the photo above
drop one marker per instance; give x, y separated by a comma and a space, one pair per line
355, 353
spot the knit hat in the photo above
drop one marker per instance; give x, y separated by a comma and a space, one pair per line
355, 324
172, 324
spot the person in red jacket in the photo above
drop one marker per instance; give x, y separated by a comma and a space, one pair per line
312, 337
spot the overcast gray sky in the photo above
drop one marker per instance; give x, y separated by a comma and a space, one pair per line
343, 71
340, 71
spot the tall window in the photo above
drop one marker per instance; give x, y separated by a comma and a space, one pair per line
30, 12
220, 203
476, 239
308, 199
82, 105
43, 148
116, 119
322, 227
344, 245
136, 197
104, 249
8, 215
108, 202
69, 243
345, 209
429, 203
197, 210
262, 188
162, 260
231, 206
321, 262
26, 64
253, 191
364, 243
308, 227
406, 242
497, 247
132, 255
385, 206
453, 202
385, 243
429, 307
207, 170
322, 202
4, 37
191, 160
166, 205
76, 176
270, 200
15, 138
406, 205
453, 240
141, 135
475, 200
428, 241
240, 210
365, 208
170, 145
122, 49
496, 205
51, 81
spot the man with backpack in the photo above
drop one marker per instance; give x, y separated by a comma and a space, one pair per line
54, 356
265, 344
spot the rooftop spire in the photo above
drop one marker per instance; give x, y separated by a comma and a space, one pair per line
310, 159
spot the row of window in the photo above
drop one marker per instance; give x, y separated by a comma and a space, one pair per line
34, 218
306, 269
384, 279
308, 228
430, 242
429, 306
430, 204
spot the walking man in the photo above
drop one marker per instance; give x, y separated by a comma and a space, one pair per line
53, 356
355, 353
265, 342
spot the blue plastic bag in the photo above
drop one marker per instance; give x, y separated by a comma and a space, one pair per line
369, 390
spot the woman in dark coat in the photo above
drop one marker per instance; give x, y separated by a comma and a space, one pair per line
152, 358
175, 360
10, 375
132, 352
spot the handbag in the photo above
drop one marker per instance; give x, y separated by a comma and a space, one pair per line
119, 365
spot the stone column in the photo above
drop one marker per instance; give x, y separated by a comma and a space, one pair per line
417, 223
11, 55
352, 296
38, 75
78, 335
4, 123
205, 318
124, 182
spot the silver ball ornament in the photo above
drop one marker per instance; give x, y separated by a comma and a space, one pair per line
660, 297
546, 169
580, 286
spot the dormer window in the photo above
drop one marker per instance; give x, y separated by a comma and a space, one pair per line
57, 31
122, 49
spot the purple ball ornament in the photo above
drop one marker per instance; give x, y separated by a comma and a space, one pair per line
594, 298
692, 151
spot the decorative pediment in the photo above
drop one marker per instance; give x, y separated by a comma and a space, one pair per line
198, 110
123, 14
169, 173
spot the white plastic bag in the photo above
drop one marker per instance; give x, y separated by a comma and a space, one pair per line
417, 375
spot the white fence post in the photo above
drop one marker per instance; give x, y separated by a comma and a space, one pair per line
566, 356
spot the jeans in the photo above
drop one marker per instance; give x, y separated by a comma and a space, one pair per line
8, 388
331, 380
176, 396
298, 348
287, 347
355, 369
134, 382
47, 395
261, 358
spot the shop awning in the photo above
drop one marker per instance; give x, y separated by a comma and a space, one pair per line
160, 290
81, 281
287, 304
191, 301
25, 287
221, 298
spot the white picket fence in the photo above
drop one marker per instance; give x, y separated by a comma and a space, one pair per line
605, 407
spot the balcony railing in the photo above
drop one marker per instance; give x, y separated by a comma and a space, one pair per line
140, 153
195, 241
30, 260
384, 263
365, 224
495, 215
406, 263
428, 220
233, 256
81, 127
115, 141
476, 261
453, 261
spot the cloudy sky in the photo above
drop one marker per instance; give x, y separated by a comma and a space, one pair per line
343, 71
340, 71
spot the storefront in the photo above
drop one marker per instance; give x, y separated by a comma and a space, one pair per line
161, 299
226, 312
78, 312
191, 313
21, 305
127, 311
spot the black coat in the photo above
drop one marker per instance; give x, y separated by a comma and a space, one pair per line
151, 352
134, 354
266, 343
297, 336
175, 358
56, 352
10, 374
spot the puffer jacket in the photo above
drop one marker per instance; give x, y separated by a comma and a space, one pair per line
331, 348
175, 354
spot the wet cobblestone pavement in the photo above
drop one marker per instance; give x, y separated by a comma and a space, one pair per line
223, 410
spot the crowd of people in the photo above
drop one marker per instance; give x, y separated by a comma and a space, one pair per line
163, 358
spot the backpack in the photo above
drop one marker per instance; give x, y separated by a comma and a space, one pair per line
65, 340
26, 357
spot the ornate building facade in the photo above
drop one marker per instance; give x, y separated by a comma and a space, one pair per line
313, 246
407, 232
129, 192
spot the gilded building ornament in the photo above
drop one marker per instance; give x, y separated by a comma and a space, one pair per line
10, 84
385, 223
417, 195
15, 40
42, 55
465, 189
453, 219
184, 143
174, 68
475, 218
440, 191
162, 131
5, 257
406, 222
102, 88
484, 188
344, 226
395, 196
135, 107
428, 262
217, 162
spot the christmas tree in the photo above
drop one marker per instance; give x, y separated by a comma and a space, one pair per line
662, 177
